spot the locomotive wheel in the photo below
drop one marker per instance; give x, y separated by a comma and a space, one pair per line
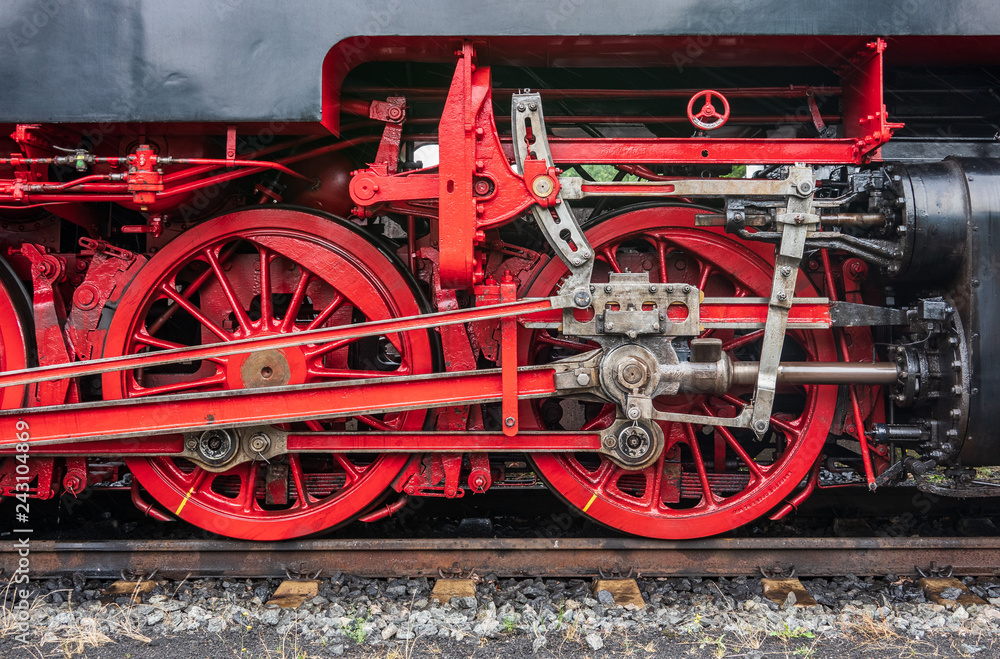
708, 479
263, 272
16, 333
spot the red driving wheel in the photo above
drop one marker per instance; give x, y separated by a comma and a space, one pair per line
708, 479
255, 273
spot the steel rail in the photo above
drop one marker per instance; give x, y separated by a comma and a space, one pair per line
533, 557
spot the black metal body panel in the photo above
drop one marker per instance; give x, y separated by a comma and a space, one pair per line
259, 60
979, 285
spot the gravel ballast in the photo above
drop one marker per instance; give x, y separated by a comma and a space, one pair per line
399, 618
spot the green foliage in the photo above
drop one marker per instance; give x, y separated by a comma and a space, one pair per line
355, 629
787, 633
509, 624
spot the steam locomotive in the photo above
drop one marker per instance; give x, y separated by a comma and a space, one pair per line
272, 269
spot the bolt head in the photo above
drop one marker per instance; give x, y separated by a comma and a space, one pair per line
632, 373
583, 379
509, 422
259, 443
634, 413
760, 426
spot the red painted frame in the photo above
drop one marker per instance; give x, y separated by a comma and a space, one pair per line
471, 150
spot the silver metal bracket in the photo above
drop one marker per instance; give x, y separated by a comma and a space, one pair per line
558, 224
794, 224
629, 304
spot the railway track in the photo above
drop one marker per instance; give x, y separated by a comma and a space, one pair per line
537, 557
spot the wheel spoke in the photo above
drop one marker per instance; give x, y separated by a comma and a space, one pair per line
733, 400
602, 420
145, 339
655, 498
313, 352
342, 373
603, 477
610, 258
752, 466
266, 304
556, 342
789, 428
661, 252
706, 270
248, 493
296, 302
227, 289
740, 341
191, 289
295, 466
185, 304
196, 477
351, 472
218, 379
376, 424
699, 465
335, 304
141, 337
196, 482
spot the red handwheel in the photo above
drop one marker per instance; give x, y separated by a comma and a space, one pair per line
707, 117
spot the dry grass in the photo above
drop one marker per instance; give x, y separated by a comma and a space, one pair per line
84, 632
9, 623
869, 630
749, 636
81, 635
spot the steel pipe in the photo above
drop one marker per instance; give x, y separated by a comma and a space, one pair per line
821, 373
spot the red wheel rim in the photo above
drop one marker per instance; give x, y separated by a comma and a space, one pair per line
319, 272
704, 483
14, 330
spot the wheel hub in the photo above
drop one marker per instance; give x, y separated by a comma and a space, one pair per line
216, 447
270, 368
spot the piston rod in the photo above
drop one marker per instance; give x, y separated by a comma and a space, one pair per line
820, 373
